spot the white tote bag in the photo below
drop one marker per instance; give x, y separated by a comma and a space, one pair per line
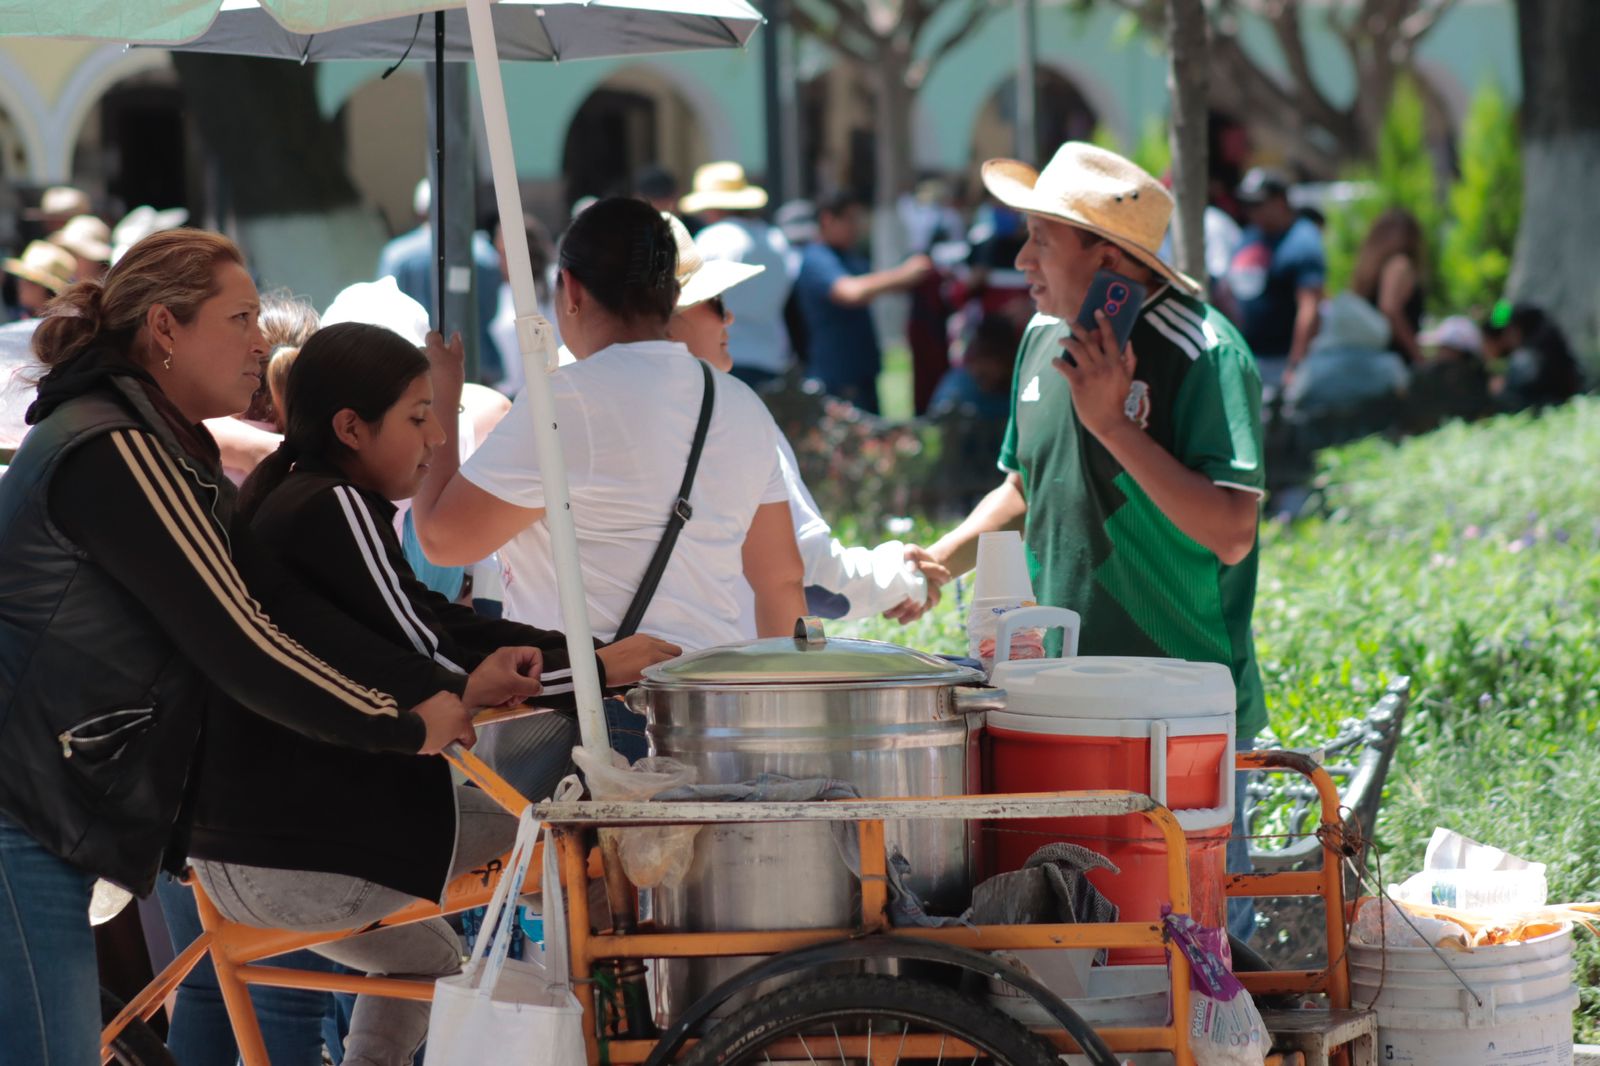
501, 1010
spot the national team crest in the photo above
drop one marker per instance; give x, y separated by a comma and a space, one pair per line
1137, 405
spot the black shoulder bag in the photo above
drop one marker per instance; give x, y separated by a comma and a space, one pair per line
681, 513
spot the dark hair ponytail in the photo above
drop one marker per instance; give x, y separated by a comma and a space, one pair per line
71, 323
350, 365
623, 252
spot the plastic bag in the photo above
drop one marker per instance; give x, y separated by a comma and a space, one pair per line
1224, 1027
496, 1004
656, 855
1386, 925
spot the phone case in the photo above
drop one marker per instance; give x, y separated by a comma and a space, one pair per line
1119, 297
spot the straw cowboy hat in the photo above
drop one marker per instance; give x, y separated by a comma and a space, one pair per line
699, 279
60, 201
140, 223
1095, 190
85, 237
44, 264
722, 187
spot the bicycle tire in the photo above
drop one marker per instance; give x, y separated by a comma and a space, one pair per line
920, 1006
137, 1044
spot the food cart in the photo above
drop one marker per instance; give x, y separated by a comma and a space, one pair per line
851, 980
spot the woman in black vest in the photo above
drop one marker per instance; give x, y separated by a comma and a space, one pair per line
126, 601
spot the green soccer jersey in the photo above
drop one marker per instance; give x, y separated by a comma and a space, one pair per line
1096, 544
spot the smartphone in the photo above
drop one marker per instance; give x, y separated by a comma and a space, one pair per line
1119, 297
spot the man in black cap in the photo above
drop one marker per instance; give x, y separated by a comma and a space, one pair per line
1276, 275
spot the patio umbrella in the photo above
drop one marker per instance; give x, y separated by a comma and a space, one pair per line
387, 29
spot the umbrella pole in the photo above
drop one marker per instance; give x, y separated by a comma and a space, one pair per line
537, 343
436, 199
535, 339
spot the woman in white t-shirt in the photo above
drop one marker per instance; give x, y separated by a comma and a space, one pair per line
626, 412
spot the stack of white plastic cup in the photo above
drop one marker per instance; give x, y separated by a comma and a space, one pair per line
1000, 584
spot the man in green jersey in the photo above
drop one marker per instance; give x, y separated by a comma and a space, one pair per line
1136, 474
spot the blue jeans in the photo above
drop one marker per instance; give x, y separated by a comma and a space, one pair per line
626, 729
291, 1018
1241, 912
49, 980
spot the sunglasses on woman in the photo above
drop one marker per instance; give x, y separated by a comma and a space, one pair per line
716, 304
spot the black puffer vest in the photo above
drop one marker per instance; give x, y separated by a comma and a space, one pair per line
99, 713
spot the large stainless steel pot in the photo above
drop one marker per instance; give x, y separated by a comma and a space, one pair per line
889, 720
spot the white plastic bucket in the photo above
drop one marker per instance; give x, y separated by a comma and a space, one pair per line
1519, 1012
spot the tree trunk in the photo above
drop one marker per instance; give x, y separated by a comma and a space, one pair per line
1553, 267
288, 194
892, 167
1189, 81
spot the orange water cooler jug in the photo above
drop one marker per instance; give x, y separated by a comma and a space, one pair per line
1163, 727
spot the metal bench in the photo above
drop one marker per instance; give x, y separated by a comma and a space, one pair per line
1358, 760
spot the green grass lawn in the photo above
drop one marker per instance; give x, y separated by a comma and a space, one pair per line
1468, 559
894, 384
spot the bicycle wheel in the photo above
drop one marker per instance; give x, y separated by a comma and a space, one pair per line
137, 1044
869, 1020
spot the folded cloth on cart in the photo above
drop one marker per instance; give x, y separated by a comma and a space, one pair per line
1052, 887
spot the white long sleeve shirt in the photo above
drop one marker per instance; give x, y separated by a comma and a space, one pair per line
871, 579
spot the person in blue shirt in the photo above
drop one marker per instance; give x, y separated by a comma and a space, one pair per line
409, 258
1276, 275
835, 290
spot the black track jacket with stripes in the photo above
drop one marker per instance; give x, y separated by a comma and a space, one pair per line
126, 604
271, 797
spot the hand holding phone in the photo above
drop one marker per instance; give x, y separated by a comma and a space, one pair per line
1121, 299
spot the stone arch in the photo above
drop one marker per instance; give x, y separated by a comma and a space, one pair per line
135, 144
639, 114
24, 112
1070, 107
102, 69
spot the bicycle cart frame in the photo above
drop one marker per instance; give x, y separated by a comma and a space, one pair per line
237, 950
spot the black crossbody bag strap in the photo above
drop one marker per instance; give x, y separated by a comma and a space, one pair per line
681, 513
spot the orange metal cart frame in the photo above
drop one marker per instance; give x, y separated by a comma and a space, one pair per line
237, 950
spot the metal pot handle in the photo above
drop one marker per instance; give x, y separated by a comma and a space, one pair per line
637, 701
977, 700
808, 630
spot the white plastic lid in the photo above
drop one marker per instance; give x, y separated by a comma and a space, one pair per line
1115, 687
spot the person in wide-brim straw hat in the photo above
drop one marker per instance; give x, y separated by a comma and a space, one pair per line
722, 187
42, 271
1095, 190
89, 241
860, 581
1135, 469
58, 204
701, 319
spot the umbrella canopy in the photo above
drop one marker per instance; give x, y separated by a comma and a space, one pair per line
313, 30
480, 30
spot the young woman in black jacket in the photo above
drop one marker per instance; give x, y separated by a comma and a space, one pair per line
127, 602
346, 837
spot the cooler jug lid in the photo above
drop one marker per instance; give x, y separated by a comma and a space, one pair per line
1115, 687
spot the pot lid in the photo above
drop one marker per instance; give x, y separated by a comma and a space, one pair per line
809, 657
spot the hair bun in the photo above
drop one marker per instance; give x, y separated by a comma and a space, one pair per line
70, 323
